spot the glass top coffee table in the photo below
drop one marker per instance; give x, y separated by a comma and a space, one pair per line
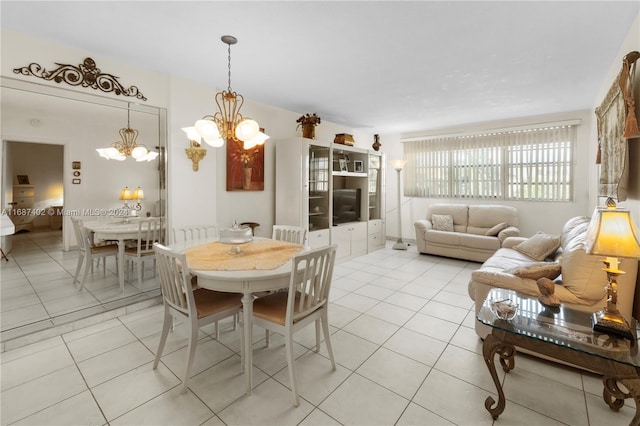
559, 333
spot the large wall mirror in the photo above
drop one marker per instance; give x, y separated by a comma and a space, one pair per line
49, 139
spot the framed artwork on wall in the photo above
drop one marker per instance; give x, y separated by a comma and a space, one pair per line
23, 180
245, 167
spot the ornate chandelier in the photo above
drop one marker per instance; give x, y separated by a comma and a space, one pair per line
127, 146
227, 122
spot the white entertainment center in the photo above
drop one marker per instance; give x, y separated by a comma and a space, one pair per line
334, 191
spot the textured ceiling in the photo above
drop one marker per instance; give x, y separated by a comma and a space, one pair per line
383, 66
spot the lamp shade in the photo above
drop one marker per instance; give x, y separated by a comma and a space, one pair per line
125, 194
398, 164
259, 139
138, 194
192, 133
612, 232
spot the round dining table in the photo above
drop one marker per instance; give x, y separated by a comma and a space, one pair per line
116, 230
248, 282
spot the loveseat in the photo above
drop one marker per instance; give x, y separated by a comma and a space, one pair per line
469, 232
579, 279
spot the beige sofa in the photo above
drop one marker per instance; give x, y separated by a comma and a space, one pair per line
581, 284
469, 237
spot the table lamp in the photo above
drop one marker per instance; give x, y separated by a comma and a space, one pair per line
611, 233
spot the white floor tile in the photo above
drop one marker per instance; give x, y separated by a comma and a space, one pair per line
270, 404
80, 409
361, 401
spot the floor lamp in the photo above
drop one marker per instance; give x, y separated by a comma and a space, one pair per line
399, 245
6, 228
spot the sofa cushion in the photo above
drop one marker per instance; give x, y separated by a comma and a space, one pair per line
458, 211
443, 237
483, 217
442, 222
537, 270
581, 272
539, 246
479, 242
493, 231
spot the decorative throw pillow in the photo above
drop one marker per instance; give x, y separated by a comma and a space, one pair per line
495, 230
539, 246
537, 270
442, 222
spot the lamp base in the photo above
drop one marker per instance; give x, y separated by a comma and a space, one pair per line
611, 323
399, 245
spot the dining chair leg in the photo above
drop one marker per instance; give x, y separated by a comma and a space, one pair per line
86, 272
317, 335
75, 277
193, 341
327, 339
267, 339
166, 325
242, 348
292, 367
140, 271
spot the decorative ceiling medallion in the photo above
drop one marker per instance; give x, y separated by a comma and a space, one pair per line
86, 75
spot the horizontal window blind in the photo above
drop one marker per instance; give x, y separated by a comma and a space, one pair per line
531, 164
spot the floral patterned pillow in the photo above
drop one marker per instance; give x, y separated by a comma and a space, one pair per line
442, 222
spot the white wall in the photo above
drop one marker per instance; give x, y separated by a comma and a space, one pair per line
631, 43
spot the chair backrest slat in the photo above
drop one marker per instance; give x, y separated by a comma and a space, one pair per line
291, 234
148, 234
311, 277
174, 279
81, 233
194, 233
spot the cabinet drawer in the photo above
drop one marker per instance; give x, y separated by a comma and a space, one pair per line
21, 220
374, 240
22, 202
319, 238
375, 226
23, 192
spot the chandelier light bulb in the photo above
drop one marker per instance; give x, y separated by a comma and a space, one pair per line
247, 129
139, 152
207, 129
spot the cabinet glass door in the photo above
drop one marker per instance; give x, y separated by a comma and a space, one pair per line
318, 187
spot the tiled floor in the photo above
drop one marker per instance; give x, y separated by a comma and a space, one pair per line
38, 290
402, 330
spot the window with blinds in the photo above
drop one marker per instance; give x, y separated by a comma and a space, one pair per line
532, 164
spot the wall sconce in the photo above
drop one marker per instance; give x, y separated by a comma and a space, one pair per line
195, 152
136, 195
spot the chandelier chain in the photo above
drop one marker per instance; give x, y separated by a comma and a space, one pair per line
229, 66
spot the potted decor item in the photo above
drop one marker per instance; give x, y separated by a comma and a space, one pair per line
308, 123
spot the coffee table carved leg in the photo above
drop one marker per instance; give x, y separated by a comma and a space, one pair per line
614, 396
492, 346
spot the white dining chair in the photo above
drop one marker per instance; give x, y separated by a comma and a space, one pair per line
306, 302
90, 251
194, 233
198, 307
291, 234
149, 232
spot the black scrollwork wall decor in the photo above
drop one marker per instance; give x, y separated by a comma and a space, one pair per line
86, 74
